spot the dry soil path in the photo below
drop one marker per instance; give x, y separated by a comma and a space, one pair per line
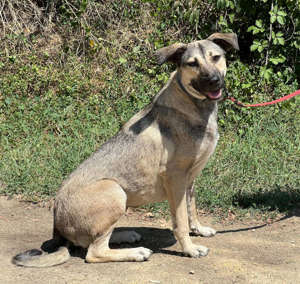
239, 253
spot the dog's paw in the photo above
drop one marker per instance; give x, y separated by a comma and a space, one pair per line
203, 231
196, 251
125, 237
140, 254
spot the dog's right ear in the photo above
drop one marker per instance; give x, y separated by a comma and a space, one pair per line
171, 53
225, 40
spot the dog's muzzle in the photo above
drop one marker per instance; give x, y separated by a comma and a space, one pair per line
210, 86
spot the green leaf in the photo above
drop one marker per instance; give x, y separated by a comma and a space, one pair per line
273, 35
280, 20
296, 44
274, 61
221, 4
246, 85
281, 13
254, 46
258, 23
251, 28
122, 60
256, 31
264, 43
282, 58
191, 18
7, 101
281, 40
260, 48
273, 19
278, 59
136, 49
266, 72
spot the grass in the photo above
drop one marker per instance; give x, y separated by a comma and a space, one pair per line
257, 169
44, 137
64, 93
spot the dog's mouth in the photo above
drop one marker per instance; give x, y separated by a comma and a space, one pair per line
215, 95
203, 86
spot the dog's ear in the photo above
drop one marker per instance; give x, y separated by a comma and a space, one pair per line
170, 53
225, 40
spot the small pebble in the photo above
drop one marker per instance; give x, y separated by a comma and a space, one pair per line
149, 215
192, 272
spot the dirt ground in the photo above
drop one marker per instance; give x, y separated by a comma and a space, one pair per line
239, 253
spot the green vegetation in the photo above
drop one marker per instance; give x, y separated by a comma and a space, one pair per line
73, 72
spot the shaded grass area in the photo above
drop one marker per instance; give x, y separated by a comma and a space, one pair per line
258, 169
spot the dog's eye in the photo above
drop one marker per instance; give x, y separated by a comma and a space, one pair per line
193, 63
216, 58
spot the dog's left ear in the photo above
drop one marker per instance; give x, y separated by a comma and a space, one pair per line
225, 40
171, 53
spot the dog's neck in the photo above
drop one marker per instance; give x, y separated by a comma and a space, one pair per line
203, 105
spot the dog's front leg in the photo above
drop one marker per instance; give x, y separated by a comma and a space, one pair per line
195, 227
176, 193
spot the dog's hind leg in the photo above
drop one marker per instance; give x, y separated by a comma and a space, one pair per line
99, 251
111, 200
195, 227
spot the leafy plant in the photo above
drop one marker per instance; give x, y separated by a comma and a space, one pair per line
269, 29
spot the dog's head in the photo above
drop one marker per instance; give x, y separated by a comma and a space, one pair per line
201, 64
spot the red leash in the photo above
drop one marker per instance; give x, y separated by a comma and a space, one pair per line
265, 103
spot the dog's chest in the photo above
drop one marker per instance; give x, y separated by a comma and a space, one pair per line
204, 148
203, 145
195, 145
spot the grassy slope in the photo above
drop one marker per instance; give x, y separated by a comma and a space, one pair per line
56, 109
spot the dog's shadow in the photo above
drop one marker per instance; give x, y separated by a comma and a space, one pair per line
158, 240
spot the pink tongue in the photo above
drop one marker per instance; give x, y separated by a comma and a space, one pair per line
215, 95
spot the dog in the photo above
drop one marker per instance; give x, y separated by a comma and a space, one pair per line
156, 156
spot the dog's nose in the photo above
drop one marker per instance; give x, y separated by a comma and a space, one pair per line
214, 80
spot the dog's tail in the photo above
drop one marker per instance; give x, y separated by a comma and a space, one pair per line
36, 258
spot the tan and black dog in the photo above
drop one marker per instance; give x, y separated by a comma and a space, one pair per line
156, 156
